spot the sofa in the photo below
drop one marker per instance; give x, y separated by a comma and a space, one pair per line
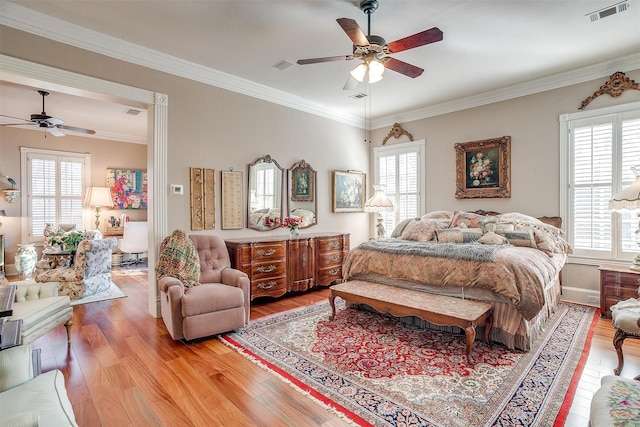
31, 400
212, 300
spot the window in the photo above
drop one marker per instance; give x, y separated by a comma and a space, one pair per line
54, 184
400, 169
599, 149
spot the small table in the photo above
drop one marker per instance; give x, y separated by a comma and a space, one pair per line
617, 283
437, 309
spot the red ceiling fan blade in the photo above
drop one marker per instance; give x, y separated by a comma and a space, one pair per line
420, 39
403, 68
325, 59
354, 32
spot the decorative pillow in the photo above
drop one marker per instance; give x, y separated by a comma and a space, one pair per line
398, 229
467, 219
438, 215
457, 235
523, 238
491, 238
423, 230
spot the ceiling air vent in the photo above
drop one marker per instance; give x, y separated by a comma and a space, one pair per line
283, 65
358, 95
608, 11
131, 112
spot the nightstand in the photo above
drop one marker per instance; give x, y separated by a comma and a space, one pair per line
617, 283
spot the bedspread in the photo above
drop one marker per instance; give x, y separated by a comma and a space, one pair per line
516, 273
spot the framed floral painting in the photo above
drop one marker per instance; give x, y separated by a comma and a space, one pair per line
483, 168
348, 191
128, 188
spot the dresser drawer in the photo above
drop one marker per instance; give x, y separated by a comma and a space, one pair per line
268, 269
271, 286
620, 292
622, 279
331, 259
329, 275
269, 251
327, 244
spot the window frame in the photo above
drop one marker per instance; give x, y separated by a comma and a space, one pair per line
405, 147
26, 235
593, 257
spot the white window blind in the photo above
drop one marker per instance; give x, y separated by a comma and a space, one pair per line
54, 190
400, 169
601, 149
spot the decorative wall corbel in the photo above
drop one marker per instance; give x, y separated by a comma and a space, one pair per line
397, 131
616, 84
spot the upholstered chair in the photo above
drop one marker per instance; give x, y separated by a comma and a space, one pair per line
218, 303
89, 274
625, 318
41, 309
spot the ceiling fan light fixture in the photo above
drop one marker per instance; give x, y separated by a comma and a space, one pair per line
376, 69
359, 72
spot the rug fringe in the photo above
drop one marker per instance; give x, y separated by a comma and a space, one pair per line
265, 365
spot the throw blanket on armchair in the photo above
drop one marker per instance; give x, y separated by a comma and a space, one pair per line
179, 259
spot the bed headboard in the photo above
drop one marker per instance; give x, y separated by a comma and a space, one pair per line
556, 221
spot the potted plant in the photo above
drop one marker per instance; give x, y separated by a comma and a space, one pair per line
67, 240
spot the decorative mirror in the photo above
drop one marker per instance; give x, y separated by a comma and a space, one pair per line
264, 205
302, 200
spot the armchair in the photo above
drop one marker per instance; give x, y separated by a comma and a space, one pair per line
219, 301
89, 274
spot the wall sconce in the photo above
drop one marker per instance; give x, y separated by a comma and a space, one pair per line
11, 196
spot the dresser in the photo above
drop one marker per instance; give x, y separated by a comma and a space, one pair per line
617, 283
278, 264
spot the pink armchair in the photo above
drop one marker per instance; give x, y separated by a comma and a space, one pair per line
220, 303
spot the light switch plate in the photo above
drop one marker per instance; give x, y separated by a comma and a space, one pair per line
177, 190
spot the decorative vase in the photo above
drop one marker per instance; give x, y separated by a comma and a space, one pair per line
25, 260
293, 232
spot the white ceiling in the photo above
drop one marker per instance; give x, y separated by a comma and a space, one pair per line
490, 48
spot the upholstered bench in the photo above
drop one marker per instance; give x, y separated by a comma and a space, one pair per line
437, 309
616, 403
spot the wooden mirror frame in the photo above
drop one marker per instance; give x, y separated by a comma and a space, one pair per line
302, 192
257, 220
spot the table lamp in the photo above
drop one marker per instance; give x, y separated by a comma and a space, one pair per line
98, 197
379, 203
628, 199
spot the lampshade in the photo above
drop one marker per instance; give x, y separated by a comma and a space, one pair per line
379, 202
98, 196
358, 72
372, 69
628, 198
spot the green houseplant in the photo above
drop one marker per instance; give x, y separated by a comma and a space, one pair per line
67, 240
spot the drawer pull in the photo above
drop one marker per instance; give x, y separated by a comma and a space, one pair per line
336, 271
268, 252
334, 257
269, 269
334, 244
267, 285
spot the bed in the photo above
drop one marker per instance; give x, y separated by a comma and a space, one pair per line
512, 260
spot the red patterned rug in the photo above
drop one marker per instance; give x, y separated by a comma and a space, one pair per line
379, 371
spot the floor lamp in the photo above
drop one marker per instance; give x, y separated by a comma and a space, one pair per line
98, 197
379, 203
628, 199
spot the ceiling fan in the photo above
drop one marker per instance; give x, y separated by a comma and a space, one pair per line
51, 124
374, 50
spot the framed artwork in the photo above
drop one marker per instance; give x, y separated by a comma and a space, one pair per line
128, 188
348, 191
203, 197
302, 182
483, 168
232, 211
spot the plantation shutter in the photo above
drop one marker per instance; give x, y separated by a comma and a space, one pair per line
603, 150
54, 189
398, 169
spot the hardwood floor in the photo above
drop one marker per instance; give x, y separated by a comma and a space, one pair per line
123, 369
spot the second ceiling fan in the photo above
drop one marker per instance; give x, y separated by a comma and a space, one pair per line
374, 50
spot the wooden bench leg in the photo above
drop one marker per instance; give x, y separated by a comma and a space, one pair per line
332, 298
470, 332
618, 339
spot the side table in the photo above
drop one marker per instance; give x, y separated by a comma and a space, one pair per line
617, 283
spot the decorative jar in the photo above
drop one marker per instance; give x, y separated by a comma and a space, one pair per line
25, 260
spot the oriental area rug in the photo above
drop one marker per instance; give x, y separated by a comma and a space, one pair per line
376, 370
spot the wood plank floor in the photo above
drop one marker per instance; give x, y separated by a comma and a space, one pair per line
123, 369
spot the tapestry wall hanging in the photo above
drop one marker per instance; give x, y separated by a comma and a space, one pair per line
128, 188
203, 211
232, 198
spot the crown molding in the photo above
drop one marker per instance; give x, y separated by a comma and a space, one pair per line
33, 22
27, 20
